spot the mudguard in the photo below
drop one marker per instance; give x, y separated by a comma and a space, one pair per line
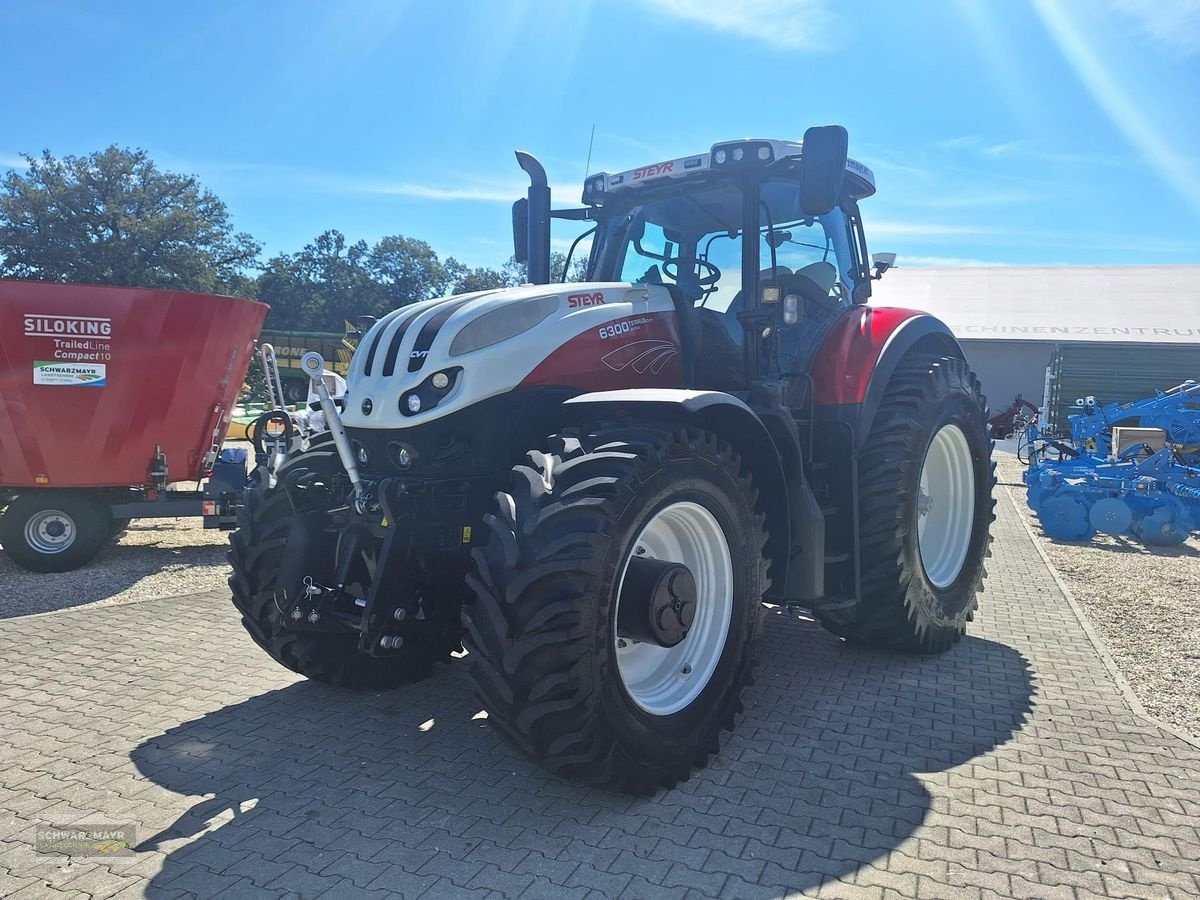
735, 422
855, 362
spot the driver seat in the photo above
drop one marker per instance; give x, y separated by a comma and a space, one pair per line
720, 361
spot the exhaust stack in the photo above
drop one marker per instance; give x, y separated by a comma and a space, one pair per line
537, 212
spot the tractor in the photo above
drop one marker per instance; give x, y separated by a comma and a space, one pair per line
595, 487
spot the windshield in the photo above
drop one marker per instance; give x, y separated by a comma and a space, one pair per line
693, 240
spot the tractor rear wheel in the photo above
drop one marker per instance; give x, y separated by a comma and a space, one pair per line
256, 550
925, 508
54, 531
617, 601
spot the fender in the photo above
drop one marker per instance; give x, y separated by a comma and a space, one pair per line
735, 422
858, 356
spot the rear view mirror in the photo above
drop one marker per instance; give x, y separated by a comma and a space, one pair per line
361, 326
882, 262
520, 219
822, 168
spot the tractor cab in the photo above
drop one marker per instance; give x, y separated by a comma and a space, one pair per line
753, 237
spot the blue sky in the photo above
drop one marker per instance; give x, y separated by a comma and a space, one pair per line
1009, 131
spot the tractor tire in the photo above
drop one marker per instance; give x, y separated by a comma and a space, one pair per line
53, 531
555, 676
922, 566
256, 550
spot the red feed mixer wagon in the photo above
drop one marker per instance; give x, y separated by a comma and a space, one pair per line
107, 396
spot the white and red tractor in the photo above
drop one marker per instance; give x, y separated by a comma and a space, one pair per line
595, 486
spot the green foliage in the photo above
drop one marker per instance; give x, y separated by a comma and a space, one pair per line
407, 270
331, 281
316, 289
113, 217
577, 271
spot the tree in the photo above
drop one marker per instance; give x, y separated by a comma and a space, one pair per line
512, 273
407, 270
320, 287
114, 217
331, 281
577, 271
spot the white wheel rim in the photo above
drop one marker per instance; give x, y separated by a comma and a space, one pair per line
946, 506
50, 531
664, 680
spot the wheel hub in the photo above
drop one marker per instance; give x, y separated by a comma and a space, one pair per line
658, 601
672, 622
50, 531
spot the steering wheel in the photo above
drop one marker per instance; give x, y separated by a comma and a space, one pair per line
709, 277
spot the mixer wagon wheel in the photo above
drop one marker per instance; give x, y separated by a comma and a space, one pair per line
925, 509
617, 603
256, 550
54, 531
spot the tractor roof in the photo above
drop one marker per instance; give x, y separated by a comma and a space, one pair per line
729, 156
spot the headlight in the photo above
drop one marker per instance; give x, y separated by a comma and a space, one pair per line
430, 392
502, 323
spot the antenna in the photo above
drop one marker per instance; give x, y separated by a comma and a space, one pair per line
587, 166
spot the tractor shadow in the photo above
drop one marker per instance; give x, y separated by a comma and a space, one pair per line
819, 779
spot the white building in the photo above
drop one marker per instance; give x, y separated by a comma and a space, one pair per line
1121, 329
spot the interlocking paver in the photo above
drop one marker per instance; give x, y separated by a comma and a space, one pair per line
1011, 766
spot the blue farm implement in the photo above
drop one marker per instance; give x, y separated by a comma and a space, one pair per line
1128, 469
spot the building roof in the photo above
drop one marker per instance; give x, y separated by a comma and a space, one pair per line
1128, 304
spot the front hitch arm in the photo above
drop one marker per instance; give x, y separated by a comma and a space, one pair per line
313, 365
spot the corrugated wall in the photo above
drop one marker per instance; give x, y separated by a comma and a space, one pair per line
1008, 368
1115, 373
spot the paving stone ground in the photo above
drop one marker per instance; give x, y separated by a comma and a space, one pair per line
1012, 766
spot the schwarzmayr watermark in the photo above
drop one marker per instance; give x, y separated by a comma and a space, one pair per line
92, 839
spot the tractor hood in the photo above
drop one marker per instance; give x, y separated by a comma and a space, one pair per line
424, 361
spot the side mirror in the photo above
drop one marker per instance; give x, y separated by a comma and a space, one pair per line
520, 219
822, 168
882, 262
362, 325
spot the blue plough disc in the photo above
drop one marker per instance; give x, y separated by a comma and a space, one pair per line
1158, 530
1064, 518
1111, 516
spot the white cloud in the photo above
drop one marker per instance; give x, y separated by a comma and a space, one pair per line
968, 198
12, 161
295, 178
904, 259
425, 191
1024, 148
1172, 23
962, 142
481, 194
784, 24
885, 228
1097, 76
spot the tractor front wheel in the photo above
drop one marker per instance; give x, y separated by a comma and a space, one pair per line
617, 601
925, 481
256, 551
